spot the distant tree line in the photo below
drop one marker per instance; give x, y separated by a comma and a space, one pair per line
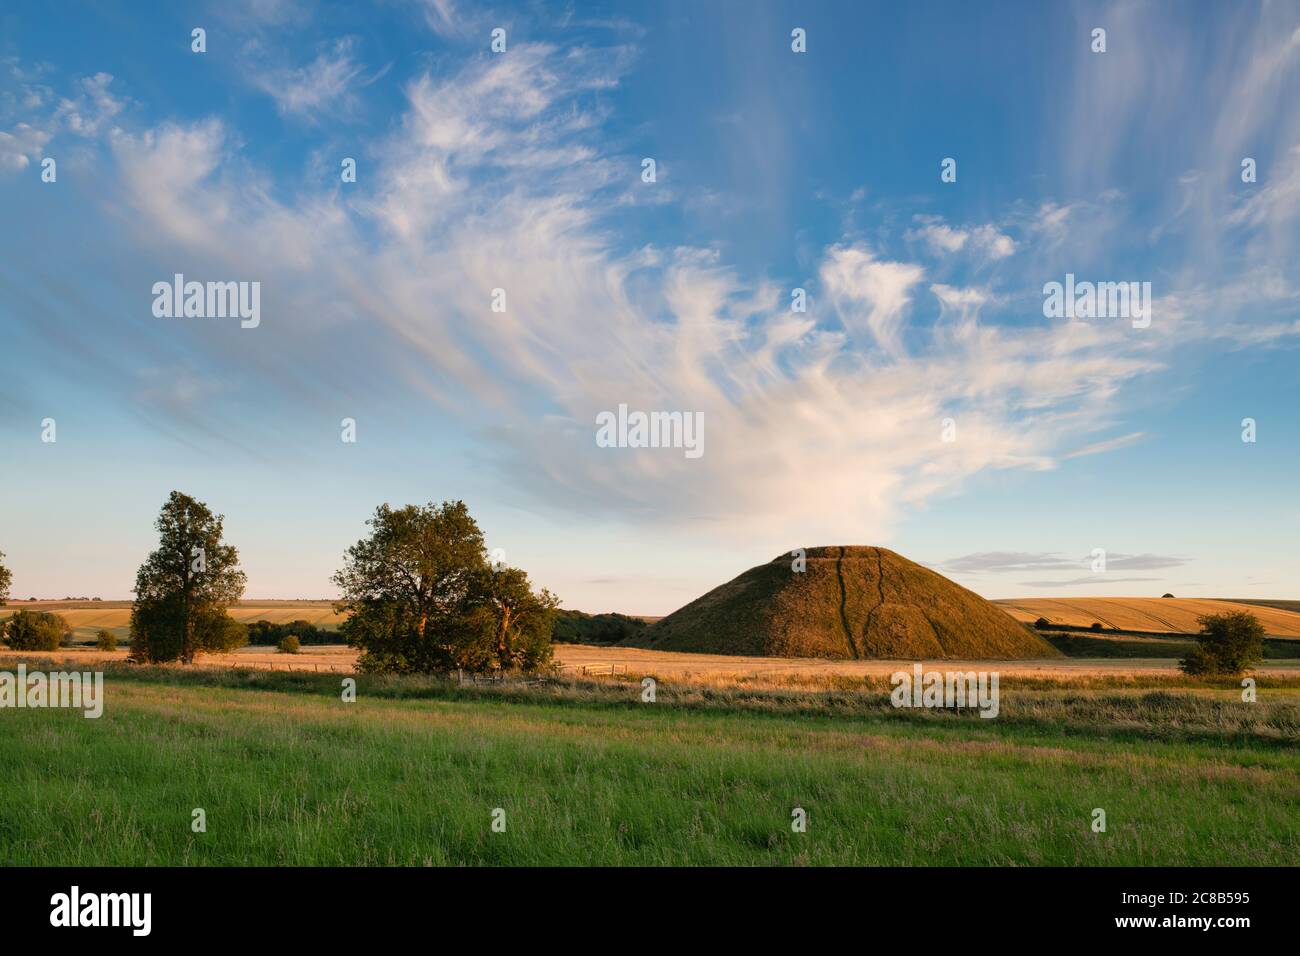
576, 627
266, 632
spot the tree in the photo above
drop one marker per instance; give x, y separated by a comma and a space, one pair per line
158, 630
1228, 644
421, 597
35, 631
6, 578
106, 641
421, 559
418, 566
522, 621
183, 589
289, 644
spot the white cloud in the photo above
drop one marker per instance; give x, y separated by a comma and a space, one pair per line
870, 295
92, 107
985, 241
445, 17
326, 84
1276, 202
1052, 220
942, 237
818, 426
21, 146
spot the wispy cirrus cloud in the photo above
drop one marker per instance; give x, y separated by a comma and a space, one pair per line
1005, 562
326, 84
1110, 444
502, 173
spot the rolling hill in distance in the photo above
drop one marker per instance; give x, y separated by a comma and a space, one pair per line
1152, 615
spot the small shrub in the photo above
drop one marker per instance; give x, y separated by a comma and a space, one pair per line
1042, 623
1228, 644
1096, 625
1166, 594
36, 631
106, 641
289, 644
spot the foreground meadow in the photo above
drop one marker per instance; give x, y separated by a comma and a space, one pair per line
410, 774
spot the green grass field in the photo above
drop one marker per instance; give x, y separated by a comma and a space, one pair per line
410, 774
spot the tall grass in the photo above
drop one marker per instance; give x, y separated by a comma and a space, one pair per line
288, 773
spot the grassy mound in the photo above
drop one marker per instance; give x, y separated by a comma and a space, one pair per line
849, 602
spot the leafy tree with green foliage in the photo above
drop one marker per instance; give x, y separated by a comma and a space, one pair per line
6, 578
408, 586
1228, 644
421, 597
183, 589
521, 621
158, 631
289, 644
106, 641
35, 631
219, 633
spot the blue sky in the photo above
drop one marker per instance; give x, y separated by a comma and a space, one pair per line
776, 170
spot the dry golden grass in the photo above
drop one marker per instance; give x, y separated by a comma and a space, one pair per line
1168, 615
715, 670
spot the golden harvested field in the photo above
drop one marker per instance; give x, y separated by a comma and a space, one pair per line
577, 660
1170, 615
88, 617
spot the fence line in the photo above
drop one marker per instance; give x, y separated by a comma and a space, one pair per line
462, 677
314, 667
595, 670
